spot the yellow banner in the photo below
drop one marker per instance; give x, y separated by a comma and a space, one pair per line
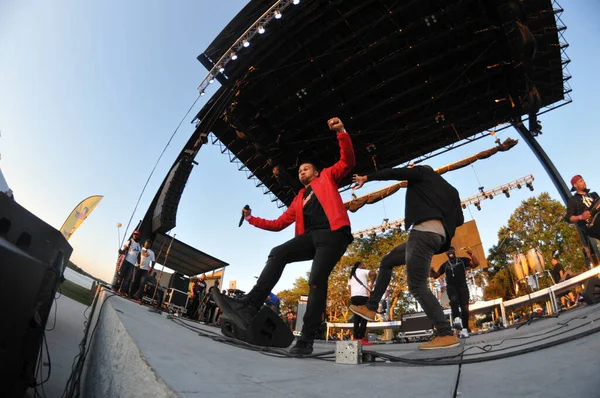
79, 214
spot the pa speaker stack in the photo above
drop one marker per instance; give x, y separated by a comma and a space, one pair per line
591, 291
33, 256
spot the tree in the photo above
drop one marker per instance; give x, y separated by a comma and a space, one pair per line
536, 224
369, 250
290, 297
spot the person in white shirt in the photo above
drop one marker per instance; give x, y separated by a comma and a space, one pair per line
147, 261
358, 283
131, 250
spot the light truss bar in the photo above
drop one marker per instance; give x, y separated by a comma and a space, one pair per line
504, 189
244, 41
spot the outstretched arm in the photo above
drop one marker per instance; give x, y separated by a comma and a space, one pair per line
399, 174
347, 159
287, 218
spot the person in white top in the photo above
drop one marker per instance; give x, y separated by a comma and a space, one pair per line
147, 261
131, 250
358, 283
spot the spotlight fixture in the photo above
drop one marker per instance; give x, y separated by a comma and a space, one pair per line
505, 191
221, 69
480, 189
519, 186
373, 234
277, 14
202, 93
490, 196
464, 206
478, 205
530, 186
211, 80
261, 30
233, 56
360, 235
246, 43
295, 2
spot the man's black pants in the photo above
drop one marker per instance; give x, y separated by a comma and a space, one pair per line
416, 253
459, 300
126, 273
325, 248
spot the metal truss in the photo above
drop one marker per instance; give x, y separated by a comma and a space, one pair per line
475, 200
258, 27
249, 174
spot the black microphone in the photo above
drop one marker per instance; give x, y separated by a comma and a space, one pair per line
242, 217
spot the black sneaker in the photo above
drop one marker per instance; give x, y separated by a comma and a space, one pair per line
302, 347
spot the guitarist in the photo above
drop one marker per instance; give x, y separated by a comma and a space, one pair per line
581, 209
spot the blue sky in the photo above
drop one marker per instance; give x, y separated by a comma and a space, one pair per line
91, 91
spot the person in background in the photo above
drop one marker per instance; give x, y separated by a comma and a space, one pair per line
273, 302
455, 270
140, 275
131, 251
358, 283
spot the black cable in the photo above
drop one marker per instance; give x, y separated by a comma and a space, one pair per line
55, 311
269, 351
440, 362
79, 360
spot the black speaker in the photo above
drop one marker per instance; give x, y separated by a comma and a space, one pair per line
165, 212
33, 256
179, 281
591, 291
266, 329
415, 323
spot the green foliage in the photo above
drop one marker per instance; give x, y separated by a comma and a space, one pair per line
536, 224
289, 297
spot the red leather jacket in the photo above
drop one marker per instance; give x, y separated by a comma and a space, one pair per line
325, 187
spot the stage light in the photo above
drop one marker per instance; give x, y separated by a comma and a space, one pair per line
373, 234
296, 2
490, 196
530, 186
360, 235
464, 206
478, 205
261, 30
211, 80
382, 229
202, 93
221, 69
246, 43
277, 14
505, 191
233, 56
519, 186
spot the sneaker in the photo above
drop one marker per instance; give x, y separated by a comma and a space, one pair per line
464, 334
439, 342
302, 347
363, 312
457, 324
365, 341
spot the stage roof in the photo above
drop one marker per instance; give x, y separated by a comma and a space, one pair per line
407, 78
182, 257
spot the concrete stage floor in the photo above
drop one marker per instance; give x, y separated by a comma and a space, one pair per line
138, 353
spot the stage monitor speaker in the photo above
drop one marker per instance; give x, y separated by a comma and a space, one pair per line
415, 323
27, 289
179, 281
591, 291
266, 329
178, 298
32, 235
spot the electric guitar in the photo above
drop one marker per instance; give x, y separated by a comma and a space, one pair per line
593, 223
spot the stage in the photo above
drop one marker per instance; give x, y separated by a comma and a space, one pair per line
136, 352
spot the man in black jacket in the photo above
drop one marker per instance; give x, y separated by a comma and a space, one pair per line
432, 213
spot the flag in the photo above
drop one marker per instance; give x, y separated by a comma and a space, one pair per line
79, 214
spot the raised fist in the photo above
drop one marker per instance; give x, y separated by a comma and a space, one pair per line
335, 124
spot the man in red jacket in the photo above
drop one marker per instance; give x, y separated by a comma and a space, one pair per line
322, 235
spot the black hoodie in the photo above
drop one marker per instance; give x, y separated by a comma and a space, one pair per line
428, 197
